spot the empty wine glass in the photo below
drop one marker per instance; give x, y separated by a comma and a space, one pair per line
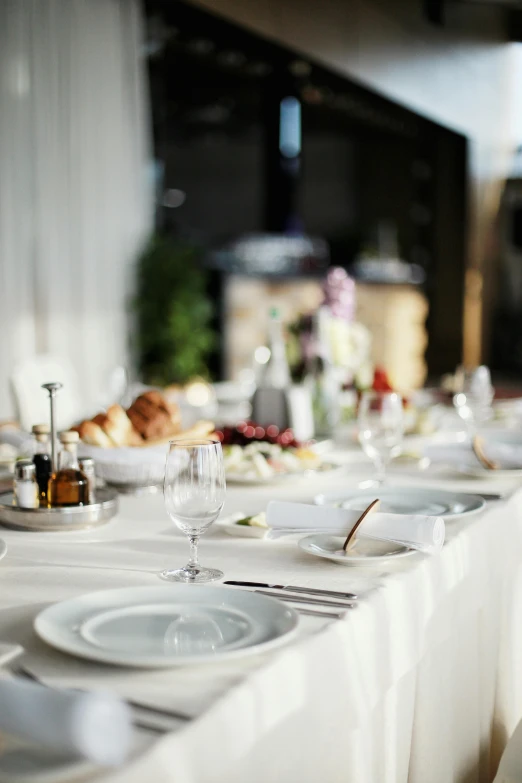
381, 427
194, 492
473, 401
193, 633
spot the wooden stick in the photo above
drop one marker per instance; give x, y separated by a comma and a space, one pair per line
372, 507
478, 450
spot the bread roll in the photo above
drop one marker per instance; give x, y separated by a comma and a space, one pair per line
118, 427
93, 435
151, 418
160, 402
202, 430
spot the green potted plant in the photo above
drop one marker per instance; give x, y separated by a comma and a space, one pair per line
173, 313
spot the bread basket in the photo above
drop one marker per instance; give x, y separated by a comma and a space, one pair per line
138, 467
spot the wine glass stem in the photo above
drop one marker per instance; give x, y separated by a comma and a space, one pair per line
471, 427
193, 561
380, 466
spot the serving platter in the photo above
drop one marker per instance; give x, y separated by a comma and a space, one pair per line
253, 480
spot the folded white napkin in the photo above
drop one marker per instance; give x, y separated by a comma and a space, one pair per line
95, 726
418, 532
461, 455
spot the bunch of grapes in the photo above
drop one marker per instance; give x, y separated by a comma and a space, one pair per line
248, 431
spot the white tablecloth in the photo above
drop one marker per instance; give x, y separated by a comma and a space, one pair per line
422, 682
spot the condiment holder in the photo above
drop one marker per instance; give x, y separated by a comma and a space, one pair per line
103, 507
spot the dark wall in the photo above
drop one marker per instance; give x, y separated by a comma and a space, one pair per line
216, 94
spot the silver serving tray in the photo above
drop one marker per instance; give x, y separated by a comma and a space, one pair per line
135, 489
70, 518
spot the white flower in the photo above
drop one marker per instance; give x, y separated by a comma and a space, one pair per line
349, 344
364, 375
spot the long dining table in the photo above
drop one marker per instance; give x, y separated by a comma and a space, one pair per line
420, 682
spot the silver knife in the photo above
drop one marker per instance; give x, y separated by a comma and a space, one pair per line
306, 600
294, 589
318, 613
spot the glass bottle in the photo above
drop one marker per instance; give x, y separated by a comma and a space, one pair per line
277, 371
42, 459
323, 384
270, 403
25, 494
68, 486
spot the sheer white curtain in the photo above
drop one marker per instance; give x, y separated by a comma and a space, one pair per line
75, 205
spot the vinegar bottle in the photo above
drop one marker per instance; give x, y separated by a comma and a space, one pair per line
68, 486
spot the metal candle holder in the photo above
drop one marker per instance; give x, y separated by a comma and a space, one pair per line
52, 388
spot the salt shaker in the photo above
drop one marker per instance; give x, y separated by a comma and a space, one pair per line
25, 485
87, 468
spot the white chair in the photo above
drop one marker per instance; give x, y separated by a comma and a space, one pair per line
510, 768
32, 402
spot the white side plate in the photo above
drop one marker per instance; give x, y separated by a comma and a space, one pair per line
365, 551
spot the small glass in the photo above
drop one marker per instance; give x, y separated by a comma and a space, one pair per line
194, 492
474, 401
380, 428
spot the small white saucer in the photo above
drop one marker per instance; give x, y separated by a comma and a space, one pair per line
230, 526
365, 551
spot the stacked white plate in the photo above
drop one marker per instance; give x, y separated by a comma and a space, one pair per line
155, 627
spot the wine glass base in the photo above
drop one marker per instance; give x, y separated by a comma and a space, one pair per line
191, 575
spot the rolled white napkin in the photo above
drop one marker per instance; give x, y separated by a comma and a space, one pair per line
20, 440
418, 532
461, 455
95, 726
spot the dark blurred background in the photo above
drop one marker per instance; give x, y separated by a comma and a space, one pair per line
258, 144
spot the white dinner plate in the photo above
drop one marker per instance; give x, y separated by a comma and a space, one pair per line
230, 526
154, 627
406, 500
365, 551
3, 548
250, 479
